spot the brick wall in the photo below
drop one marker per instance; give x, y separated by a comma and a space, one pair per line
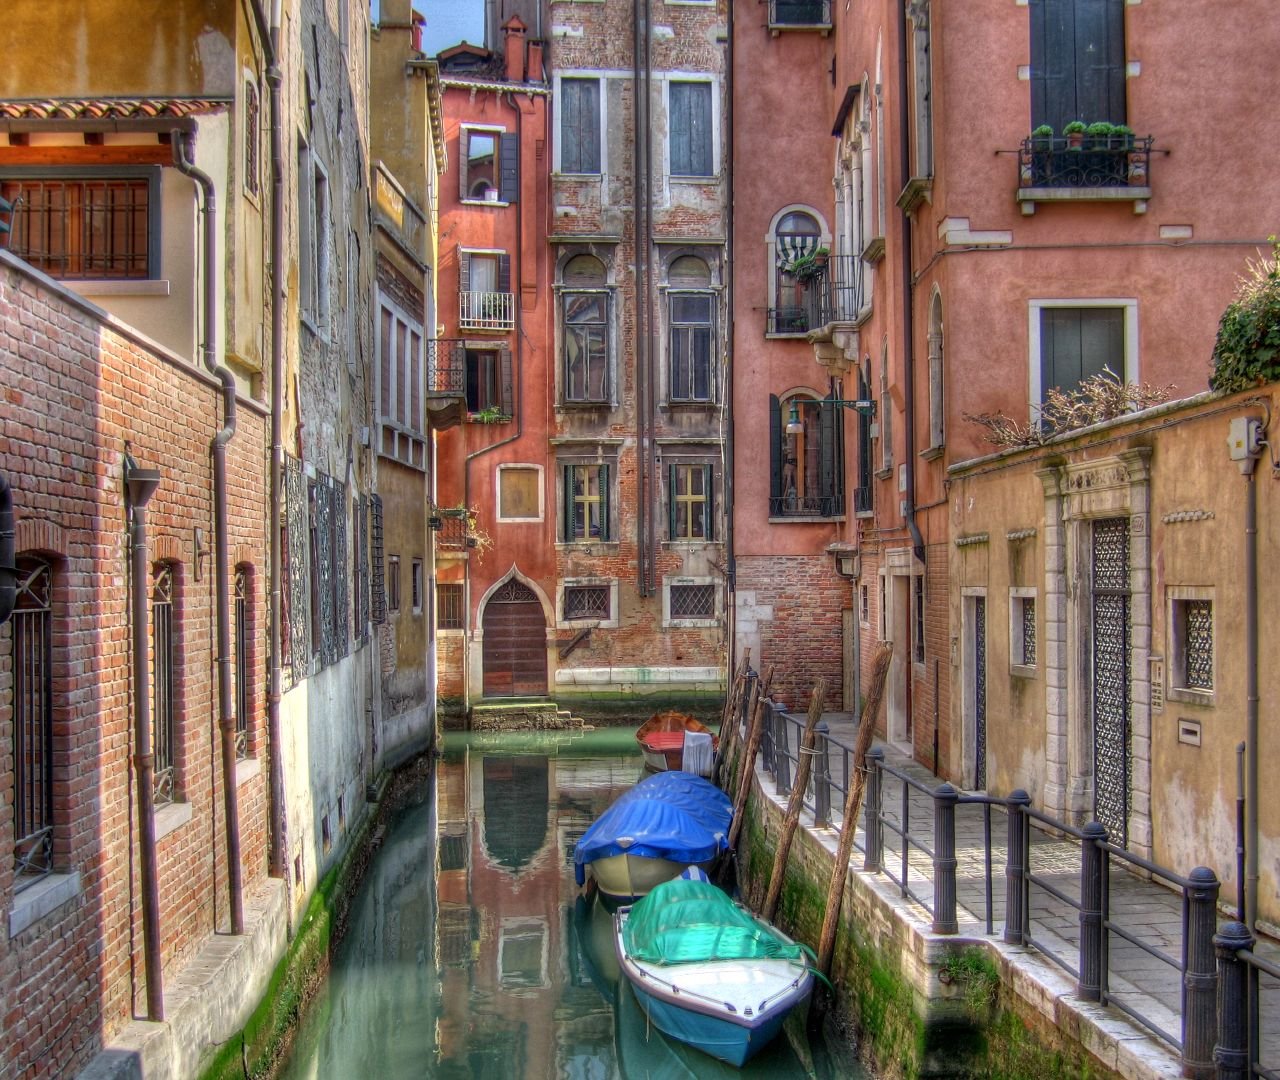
79, 392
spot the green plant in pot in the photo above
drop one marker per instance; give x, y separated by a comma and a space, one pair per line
809, 266
1099, 135
1074, 133
1042, 138
1122, 137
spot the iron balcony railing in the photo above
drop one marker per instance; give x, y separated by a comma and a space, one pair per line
831, 295
446, 367
1103, 161
800, 13
806, 506
487, 310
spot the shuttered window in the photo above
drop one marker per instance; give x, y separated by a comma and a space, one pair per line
691, 148
586, 502
580, 126
692, 375
689, 502
489, 381
1078, 343
1077, 62
401, 401
586, 346
806, 475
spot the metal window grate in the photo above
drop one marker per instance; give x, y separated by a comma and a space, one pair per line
378, 600
1028, 631
918, 644
449, 612
693, 601
251, 170
162, 718
82, 228
242, 663
1198, 644
32, 666
586, 602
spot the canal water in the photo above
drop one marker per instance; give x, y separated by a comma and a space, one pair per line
471, 954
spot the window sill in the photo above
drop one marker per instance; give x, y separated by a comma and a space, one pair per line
691, 624
864, 515
805, 519
874, 251
792, 335
579, 176
246, 769
1203, 698
585, 405
41, 899
1028, 197
933, 453
885, 473
113, 287
589, 547
484, 202
680, 178
1022, 671
171, 817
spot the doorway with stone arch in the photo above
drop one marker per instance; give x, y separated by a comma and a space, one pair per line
514, 646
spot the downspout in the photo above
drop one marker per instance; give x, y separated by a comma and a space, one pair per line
640, 191
651, 513
275, 756
8, 558
908, 296
141, 484
1251, 689
221, 544
731, 566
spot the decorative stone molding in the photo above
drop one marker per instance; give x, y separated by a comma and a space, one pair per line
39, 534
973, 538
1177, 517
1020, 534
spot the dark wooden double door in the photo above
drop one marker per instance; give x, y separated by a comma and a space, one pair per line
515, 644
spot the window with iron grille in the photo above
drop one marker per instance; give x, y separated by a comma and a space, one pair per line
378, 592
806, 452
81, 224
163, 680
242, 661
1022, 629
251, 171
917, 650
450, 614
586, 602
692, 602
393, 583
1192, 645
32, 720
415, 584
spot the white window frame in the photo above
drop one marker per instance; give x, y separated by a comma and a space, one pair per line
1132, 371
683, 579
389, 423
771, 253
542, 491
558, 134
1175, 597
611, 623
716, 163
1018, 597
464, 143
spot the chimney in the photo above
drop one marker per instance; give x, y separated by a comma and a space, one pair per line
535, 62
514, 30
416, 31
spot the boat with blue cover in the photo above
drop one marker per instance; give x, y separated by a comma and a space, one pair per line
651, 833
708, 972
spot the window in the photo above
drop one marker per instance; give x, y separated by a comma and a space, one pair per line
484, 291
692, 372
864, 604
489, 170
936, 409
885, 414
1022, 630
689, 502
393, 583
519, 493
586, 502
917, 636
796, 235
401, 406
799, 12
489, 382
251, 140
450, 614
163, 676
242, 660
580, 126
864, 495
690, 602
1077, 62
922, 87
1191, 644
806, 439
416, 583
585, 330
378, 582
586, 602
314, 242
360, 569
691, 136
75, 226
1072, 341
32, 720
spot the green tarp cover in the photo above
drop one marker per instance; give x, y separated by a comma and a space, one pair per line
686, 922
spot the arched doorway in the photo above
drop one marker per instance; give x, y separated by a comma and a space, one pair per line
515, 643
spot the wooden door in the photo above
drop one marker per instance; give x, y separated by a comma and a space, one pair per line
515, 643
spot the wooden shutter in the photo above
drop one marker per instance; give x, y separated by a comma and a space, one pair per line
828, 421
506, 389
681, 135
708, 512
1077, 62
672, 490
509, 166
605, 532
464, 139
700, 129
775, 448
1077, 343
504, 273
566, 509
464, 272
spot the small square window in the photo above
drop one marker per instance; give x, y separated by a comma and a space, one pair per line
449, 608
692, 603
393, 582
519, 493
586, 602
1022, 630
416, 585
1191, 675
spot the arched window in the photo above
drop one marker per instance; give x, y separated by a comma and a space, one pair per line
164, 669
936, 405
796, 237
691, 317
806, 442
243, 596
584, 309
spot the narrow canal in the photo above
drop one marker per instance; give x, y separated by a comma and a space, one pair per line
470, 953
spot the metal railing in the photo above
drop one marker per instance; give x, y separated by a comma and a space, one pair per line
446, 367
806, 506
1245, 980
1058, 886
831, 295
487, 310
1110, 161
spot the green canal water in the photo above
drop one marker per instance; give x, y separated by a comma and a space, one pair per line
471, 954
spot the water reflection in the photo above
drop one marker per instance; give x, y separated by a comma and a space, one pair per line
493, 965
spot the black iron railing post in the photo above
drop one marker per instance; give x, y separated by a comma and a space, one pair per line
871, 812
744, 706
1200, 981
822, 777
1017, 862
1093, 856
1231, 1054
944, 860
766, 743
782, 753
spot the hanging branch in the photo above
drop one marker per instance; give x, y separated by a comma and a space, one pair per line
853, 803
795, 802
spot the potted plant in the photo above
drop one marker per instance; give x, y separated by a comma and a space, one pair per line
809, 266
1122, 136
1099, 135
1074, 133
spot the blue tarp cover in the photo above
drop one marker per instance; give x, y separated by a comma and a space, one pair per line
670, 815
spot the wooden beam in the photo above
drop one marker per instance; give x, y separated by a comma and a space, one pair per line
150, 154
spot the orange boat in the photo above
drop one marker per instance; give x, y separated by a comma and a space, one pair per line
675, 740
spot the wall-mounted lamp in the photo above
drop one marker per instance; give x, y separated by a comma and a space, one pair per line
860, 405
435, 522
794, 427
201, 549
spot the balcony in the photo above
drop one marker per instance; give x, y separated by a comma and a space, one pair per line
799, 15
828, 311
807, 507
446, 382
1108, 168
495, 311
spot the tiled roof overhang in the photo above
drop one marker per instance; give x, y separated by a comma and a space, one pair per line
105, 114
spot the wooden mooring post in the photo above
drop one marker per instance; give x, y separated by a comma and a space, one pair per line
728, 718
754, 735
792, 820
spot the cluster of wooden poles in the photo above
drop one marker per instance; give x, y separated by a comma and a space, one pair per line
735, 778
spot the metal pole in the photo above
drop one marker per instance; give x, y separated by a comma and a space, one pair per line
1092, 857
1231, 1054
1200, 981
1016, 860
1240, 834
871, 816
944, 860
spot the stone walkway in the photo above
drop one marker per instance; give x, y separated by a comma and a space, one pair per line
1140, 907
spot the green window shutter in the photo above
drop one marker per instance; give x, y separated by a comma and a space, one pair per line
672, 491
464, 272
605, 531
509, 168
504, 273
566, 509
708, 513
775, 448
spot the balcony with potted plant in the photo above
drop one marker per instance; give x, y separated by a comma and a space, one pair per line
1097, 161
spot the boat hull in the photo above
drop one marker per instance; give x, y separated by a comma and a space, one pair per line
623, 878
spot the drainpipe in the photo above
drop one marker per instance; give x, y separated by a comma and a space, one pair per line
1251, 688
731, 573
226, 718
141, 484
908, 295
8, 559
